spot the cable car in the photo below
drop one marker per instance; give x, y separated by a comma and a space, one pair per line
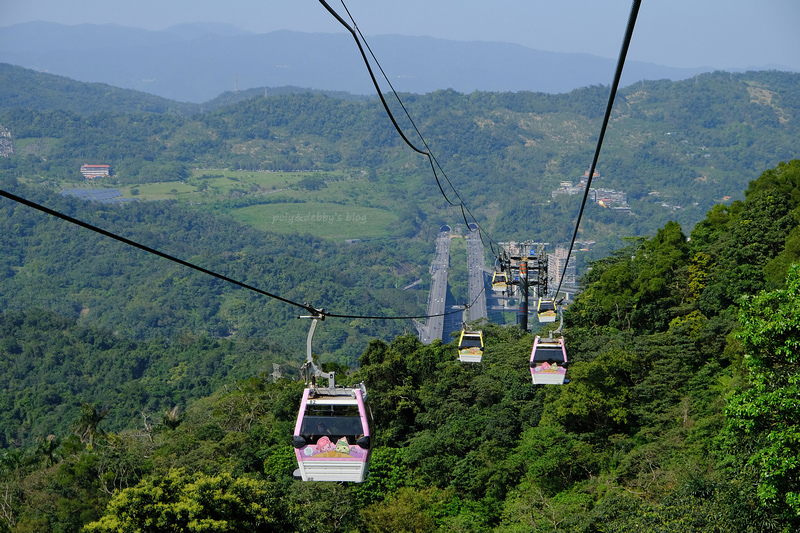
332, 439
548, 361
499, 282
546, 310
470, 346
332, 435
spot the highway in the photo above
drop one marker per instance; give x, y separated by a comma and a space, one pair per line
481, 297
477, 277
435, 326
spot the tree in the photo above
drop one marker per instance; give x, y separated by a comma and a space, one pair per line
656, 289
87, 426
552, 459
408, 511
755, 235
600, 394
764, 418
184, 502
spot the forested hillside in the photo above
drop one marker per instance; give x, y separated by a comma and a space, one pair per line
26, 89
678, 417
140, 395
674, 148
50, 264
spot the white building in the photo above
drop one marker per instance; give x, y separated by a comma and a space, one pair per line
555, 266
94, 171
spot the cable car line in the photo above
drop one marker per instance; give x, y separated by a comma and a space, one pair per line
466, 306
174, 259
355, 32
334, 315
618, 74
372, 76
147, 248
427, 152
469, 306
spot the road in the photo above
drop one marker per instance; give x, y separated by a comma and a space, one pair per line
477, 277
434, 328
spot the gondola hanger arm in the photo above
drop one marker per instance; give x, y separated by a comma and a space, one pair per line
310, 370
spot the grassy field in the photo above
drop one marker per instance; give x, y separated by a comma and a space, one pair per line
213, 184
327, 220
167, 190
340, 207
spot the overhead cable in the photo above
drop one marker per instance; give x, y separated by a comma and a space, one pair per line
174, 259
427, 152
612, 95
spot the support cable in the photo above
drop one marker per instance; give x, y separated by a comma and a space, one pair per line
427, 152
620, 64
311, 309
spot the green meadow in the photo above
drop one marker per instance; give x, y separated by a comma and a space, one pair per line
327, 220
341, 209
338, 207
216, 184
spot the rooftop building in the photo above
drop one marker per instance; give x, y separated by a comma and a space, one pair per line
94, 171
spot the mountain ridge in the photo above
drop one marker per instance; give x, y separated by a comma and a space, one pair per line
197, 62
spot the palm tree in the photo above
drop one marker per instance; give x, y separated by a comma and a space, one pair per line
171, 418
46, 448
87, 426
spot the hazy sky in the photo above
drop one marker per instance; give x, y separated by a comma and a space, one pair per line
675, 33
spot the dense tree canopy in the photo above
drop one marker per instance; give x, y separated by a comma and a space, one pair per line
139, 397
764, 418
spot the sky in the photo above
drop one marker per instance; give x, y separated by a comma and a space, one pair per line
724, 34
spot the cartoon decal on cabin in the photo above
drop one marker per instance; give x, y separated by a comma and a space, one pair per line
343, 447
547, 368
326, 449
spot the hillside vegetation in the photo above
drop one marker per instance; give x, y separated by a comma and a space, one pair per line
675, 148
676, 417
142, 396
49, 264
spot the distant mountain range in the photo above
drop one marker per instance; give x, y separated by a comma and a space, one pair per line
197, 62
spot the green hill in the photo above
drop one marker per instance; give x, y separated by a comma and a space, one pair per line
674, 149
678, 416
138, 394
26, 89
